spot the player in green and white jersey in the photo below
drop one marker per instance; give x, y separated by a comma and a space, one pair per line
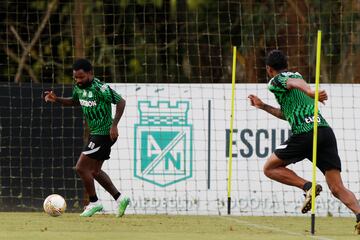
95, 99
296, 100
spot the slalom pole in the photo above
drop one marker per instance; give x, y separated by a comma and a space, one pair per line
316, 110
231, 128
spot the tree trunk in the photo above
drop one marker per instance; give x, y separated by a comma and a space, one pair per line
79, 29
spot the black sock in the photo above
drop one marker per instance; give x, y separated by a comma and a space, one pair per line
358, 217
307, 186
116, 196
93, 198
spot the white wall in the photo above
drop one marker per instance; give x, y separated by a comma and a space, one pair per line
252, 192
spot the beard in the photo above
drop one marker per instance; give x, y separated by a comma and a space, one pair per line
84, 85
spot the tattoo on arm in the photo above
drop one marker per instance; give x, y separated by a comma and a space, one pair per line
273, 111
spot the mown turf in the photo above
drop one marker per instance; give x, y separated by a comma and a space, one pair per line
39, 226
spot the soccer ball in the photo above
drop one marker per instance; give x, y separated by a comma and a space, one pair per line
54, 205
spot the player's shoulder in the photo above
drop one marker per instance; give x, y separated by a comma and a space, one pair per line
280, 79
277, 81
76, 88
99, 85
288, 74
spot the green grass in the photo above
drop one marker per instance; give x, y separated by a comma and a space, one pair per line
31, 226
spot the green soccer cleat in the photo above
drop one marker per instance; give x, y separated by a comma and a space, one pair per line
91, 209
122, 206
307, 202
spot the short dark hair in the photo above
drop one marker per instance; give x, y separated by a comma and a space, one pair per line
83, 64
277, 60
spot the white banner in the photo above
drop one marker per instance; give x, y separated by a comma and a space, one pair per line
172, 152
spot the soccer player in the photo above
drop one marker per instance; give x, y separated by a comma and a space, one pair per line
295, 98
95, 99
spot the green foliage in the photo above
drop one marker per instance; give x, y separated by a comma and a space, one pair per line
196, 4
157, 3
61, 77
39, 5
64, 49
124, 3
135, 66
181, 41
37, 67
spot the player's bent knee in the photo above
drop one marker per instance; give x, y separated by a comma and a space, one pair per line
268, 171
80, 170
268, 168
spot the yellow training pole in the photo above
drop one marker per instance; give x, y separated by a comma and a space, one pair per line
231, 127
316, 110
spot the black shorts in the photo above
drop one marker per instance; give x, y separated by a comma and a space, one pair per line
99, 147
299, 147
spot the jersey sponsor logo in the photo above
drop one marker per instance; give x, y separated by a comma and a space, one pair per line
311, 119
104, 87
86, 103
87, 94
163, 143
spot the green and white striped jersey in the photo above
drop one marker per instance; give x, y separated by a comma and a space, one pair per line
95, 101
296, 106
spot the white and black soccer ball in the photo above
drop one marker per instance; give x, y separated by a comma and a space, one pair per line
54, 205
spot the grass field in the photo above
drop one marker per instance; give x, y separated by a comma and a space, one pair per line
31, 226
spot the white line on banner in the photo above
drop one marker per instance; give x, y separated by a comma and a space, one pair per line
167, 149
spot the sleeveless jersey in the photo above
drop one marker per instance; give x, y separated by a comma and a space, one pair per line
296, 106
95, 101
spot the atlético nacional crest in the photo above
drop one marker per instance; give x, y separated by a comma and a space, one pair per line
163, 143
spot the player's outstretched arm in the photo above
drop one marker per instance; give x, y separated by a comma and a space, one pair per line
50, 96
258, 103
120, 107
303, 86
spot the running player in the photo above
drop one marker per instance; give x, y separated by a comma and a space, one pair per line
95, 99
295, 98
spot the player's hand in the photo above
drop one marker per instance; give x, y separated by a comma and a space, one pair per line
114, 133
50, 96
323, 96
255, 101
